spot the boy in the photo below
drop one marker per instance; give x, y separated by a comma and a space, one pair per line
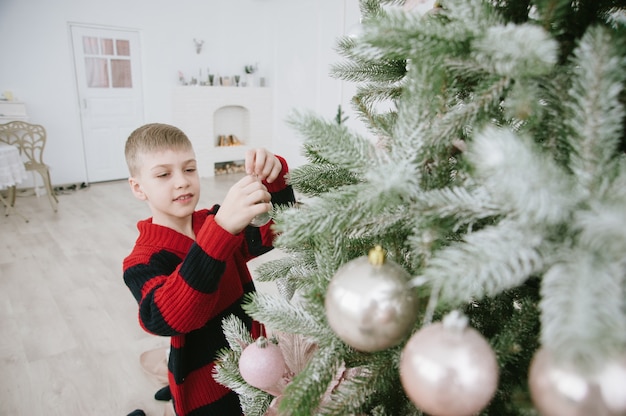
188, 269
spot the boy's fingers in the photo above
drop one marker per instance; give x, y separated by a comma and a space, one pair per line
274, 171
249, 161
255, 160
263, 164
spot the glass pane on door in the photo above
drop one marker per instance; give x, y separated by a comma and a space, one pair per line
120, 73
90, 45
123, 47
97, 72
107, 46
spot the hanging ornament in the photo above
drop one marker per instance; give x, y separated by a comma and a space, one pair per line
449, 369
262, 365
262, 219
559, 389
368, 303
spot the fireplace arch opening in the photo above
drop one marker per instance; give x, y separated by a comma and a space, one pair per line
231, 126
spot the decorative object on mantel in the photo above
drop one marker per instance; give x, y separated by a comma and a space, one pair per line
7, 96
250, 70
215, 79
199, 44
181, 78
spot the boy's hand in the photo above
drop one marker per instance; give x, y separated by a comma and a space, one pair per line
245, 200
262, 164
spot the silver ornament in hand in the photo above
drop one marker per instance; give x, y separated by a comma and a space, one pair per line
264, 217
261, 219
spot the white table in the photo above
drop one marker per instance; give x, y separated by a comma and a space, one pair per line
12, 171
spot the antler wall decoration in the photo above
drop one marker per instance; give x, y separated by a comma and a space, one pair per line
198, 44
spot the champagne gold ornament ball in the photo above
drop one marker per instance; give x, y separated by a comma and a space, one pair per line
560, 389
369, 304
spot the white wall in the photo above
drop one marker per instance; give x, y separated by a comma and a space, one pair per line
292, 41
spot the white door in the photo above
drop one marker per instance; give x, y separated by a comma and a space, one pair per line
108, 77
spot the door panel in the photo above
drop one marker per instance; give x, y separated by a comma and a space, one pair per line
108, 79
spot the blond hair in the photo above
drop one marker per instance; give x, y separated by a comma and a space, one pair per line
150, 138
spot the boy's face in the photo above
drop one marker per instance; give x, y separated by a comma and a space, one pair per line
168, 180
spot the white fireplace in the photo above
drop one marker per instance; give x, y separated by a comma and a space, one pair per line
205, 113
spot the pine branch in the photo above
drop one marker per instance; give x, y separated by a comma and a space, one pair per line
372, 71
603, 228
516, 51
368, 386
334, 143
465, 207
582, 309
372, 93
254, 402
487, 262
352, 394
318, 178
304, 394
297, 226
290, 274
480, 108
236, 333
397, 36
281, 315
522, 180
285, 267
364, 102
597, 114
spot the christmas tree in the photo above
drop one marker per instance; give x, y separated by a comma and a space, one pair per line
492, 190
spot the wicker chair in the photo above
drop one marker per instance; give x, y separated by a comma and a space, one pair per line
31, 140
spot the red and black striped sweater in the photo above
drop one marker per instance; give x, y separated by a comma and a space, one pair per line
184, 289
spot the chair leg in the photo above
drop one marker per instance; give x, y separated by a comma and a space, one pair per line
9, 203
49, 186
12, 193
45, 175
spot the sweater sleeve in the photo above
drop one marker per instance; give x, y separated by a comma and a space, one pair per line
175, 296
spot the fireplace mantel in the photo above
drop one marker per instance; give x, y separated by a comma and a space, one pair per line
204, 113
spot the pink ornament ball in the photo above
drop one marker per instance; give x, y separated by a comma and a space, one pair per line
262, 364
449, 371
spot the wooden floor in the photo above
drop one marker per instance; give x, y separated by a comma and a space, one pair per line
69, 338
